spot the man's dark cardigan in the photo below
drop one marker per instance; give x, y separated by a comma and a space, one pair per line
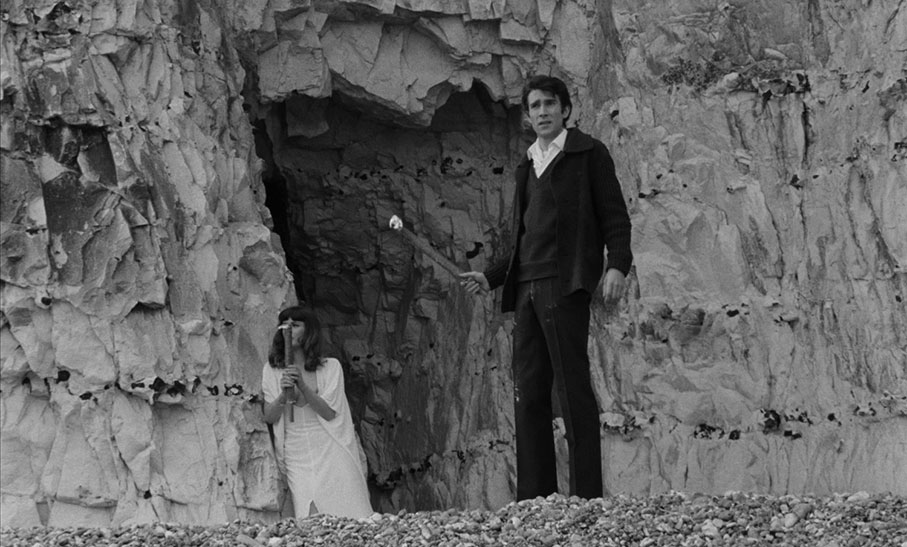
591, 214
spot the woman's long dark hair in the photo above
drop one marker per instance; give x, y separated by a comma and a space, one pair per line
311, 339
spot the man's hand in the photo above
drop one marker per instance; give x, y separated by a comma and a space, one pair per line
613, 287
474, 282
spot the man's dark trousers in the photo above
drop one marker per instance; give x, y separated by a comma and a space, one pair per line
551, 332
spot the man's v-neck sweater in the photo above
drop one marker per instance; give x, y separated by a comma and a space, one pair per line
537, 258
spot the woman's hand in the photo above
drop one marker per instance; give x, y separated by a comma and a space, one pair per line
288, 394
289, 381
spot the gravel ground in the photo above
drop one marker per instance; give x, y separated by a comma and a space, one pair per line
670, 519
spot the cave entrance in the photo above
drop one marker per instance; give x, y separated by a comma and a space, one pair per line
336, 169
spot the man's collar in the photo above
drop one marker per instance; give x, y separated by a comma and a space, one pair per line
558, 143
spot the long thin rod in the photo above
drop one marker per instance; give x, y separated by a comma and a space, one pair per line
287, 360
426, 248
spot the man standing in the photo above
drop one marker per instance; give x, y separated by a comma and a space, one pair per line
568, 207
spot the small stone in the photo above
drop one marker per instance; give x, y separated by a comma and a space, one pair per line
802, 510
859, 496
709, 529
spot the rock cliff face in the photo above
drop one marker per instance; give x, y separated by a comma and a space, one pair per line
762, 147
139, 282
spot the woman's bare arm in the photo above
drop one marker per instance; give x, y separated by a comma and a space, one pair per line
319, 405
274, 409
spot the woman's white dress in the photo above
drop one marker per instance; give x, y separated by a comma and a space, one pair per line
321, 459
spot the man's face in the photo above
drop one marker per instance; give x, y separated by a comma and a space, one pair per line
546, 114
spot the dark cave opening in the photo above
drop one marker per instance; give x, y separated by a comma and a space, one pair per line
334, 171
275, 185
307, 145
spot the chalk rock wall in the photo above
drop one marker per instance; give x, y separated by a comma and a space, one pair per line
765, 346
761, 345
138, 281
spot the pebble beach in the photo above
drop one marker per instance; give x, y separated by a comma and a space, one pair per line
672, 519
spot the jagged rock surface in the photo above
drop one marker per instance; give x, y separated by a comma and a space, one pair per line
139, 282
762, 147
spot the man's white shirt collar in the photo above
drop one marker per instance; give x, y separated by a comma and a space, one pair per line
542, 158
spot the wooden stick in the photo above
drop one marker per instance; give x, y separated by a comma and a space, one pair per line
287, 358
397, 225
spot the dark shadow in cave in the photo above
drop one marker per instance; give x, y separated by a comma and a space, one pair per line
276, 194
328, 132
335, 169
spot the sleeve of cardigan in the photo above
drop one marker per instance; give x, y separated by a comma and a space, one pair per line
497, 272
611, 209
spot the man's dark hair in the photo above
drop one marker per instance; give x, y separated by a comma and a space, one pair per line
549, 84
